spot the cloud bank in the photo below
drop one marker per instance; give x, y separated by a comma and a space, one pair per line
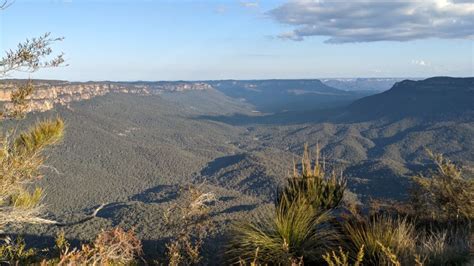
376, 20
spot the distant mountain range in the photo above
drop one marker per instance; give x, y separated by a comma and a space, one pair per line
286, 95
264, 95
362, 84
430, 98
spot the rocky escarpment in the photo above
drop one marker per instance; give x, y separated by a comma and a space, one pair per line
49, 93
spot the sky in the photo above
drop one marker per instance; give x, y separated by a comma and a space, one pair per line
201, 40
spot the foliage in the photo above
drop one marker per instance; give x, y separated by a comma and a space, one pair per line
190, 223
31, 55
322, 192
300, 230
450, 246
446, 194
15, 252
21, 154
380, 234
20, 101
295, 233
20, 161
111, 247
341, 258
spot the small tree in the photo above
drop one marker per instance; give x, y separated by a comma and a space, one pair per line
22, 153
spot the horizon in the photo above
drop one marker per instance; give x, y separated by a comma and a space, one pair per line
247, 40
231, 79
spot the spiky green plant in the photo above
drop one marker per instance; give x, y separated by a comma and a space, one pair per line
323, 192
300, 229
295, 232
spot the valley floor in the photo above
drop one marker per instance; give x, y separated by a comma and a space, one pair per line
137, 154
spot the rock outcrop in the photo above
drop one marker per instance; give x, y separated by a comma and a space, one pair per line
49, 93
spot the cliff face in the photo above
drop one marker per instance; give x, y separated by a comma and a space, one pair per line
49, 93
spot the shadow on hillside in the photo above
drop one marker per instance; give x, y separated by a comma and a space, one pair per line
153, 249
45, 244
227, 198
335, 116
216, 165
283, 118
158, 194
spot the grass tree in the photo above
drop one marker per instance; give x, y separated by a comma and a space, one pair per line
299, 230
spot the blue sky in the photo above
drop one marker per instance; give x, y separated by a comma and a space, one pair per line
198, 40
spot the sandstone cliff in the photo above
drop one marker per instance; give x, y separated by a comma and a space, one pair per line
49, 93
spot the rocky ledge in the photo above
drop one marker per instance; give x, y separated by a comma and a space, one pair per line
48, 93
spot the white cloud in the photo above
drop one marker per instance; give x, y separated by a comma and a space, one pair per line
249, 4
422, 63
221, 9
375, 20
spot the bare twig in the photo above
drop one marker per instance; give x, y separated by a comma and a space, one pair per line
89, 217
5, 4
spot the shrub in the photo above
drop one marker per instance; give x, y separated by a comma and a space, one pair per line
20, 161
21, 154
190, 223
445, 194
112, 247
15, 252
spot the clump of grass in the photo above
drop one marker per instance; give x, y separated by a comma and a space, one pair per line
381, 234
446, 246
300, 229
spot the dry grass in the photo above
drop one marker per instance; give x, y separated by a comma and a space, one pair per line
341, 258
382, 232
445, 246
